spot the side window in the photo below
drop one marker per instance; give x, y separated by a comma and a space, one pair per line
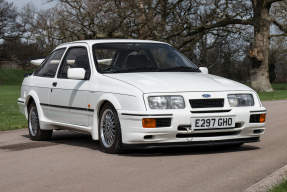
75, 58
49, 68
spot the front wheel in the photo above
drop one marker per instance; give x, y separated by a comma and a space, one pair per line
35, 132
109, 129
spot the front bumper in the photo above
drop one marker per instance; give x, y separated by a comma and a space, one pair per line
181, 133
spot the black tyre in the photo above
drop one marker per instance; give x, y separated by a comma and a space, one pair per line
109, 129
35, 132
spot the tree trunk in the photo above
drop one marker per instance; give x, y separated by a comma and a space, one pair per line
141, 20
259, 53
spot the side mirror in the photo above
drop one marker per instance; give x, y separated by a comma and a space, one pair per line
76, 73
204, 70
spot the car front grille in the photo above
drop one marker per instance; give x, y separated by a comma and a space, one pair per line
206, 103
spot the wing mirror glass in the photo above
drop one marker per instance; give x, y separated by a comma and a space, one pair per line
204, 70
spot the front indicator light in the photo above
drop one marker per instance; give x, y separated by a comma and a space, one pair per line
149, 123
262, 118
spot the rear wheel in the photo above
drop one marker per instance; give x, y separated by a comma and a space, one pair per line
109, 129
35, 132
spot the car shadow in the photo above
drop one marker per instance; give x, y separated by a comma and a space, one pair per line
86, 141
73, 139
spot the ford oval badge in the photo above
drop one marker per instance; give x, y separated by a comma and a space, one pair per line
206, 95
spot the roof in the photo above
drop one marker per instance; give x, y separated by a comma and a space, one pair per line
96, 41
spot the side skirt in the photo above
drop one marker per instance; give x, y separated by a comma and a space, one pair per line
64, 126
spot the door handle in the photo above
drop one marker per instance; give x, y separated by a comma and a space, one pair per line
54, 84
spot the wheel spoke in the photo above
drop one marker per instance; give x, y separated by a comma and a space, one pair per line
108, 128
33, 121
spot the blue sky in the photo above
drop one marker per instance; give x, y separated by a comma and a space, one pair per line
40, 4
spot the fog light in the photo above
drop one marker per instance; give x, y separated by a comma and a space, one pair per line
262, 118
149, 123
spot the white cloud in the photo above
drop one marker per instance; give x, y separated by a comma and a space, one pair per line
40, 4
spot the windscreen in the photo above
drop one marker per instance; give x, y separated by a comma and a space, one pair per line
139, 57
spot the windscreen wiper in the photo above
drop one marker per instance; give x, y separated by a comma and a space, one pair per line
138, 69
180, 67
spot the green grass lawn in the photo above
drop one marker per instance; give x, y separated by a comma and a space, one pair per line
275, 95
279, 93
13, 76
281, 187
10, 117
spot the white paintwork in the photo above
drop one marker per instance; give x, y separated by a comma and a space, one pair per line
129, 92
37, 61
204, 70
71, 93
224, 81
76, 73
147, 82
150, 82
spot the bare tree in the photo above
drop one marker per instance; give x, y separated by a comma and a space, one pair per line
278, 58
182, 23
10, 27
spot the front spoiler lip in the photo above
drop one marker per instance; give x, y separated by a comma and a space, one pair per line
189, 144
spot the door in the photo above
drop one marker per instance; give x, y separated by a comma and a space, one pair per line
69, 97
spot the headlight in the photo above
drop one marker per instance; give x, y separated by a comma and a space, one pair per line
166, 102
240, 100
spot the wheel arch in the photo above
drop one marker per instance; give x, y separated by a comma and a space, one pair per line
102, 101
32, 96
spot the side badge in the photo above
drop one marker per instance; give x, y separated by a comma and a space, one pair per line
206, 95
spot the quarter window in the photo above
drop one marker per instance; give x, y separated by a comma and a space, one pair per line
50, 66
75, 58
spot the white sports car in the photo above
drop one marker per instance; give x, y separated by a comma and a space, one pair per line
137, 94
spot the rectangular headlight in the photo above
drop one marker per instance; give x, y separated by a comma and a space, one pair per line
240, 100
166, 102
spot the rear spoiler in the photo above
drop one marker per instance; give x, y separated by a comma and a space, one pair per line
36, 60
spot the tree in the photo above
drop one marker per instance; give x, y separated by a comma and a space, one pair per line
182, 23
278, 58
10, 27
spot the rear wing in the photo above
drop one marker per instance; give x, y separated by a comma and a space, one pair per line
36, 60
